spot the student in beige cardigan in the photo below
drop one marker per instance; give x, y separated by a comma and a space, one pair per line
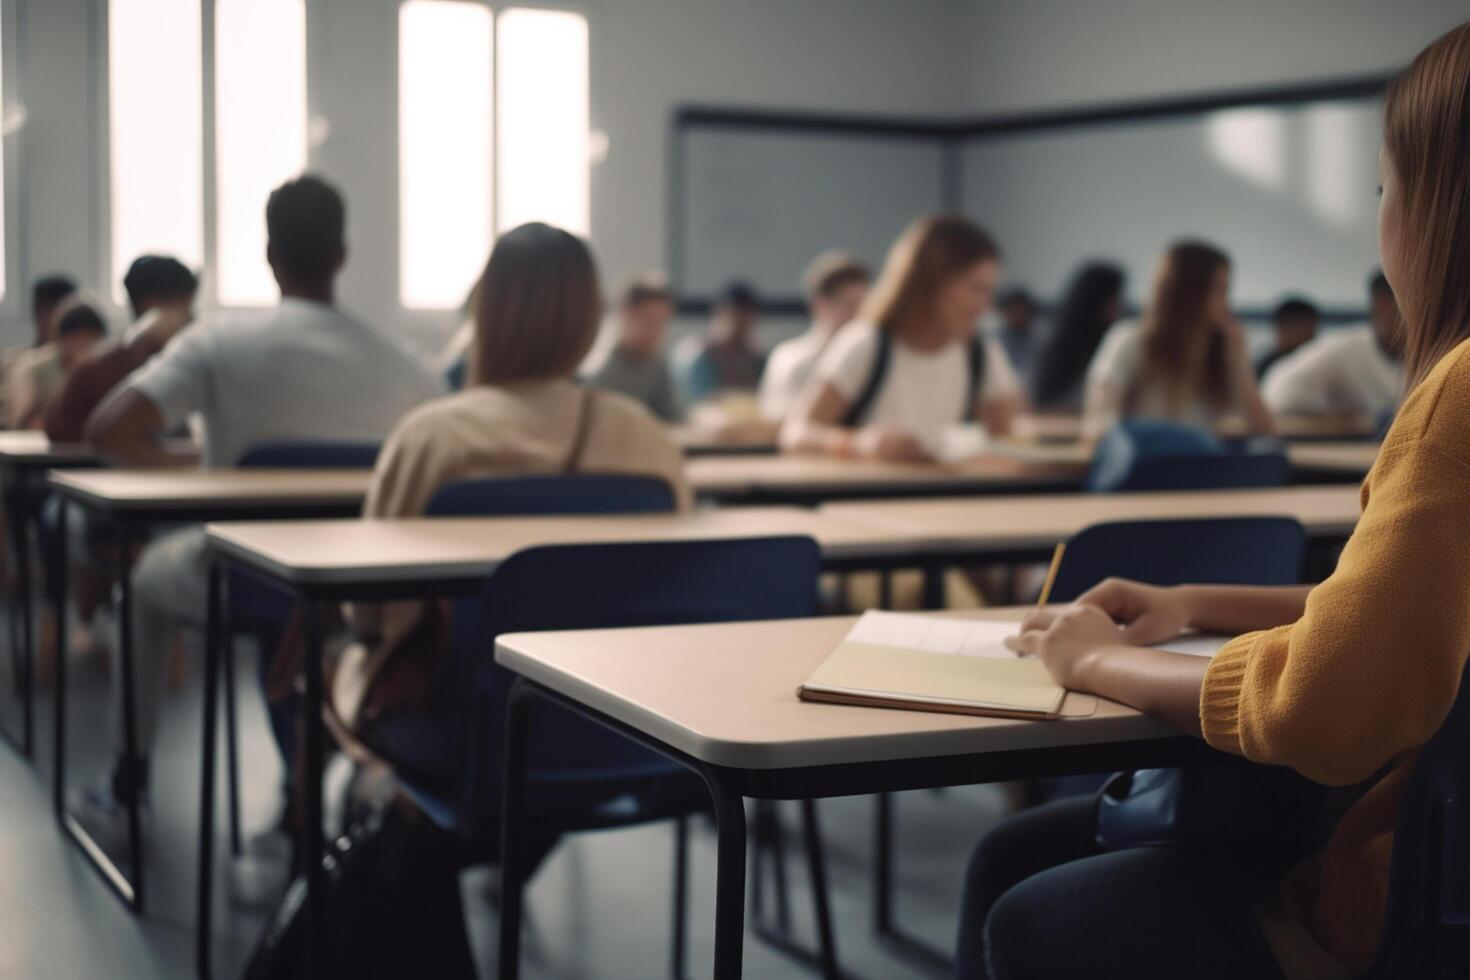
536, 311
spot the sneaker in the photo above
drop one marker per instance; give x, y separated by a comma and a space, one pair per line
105, 817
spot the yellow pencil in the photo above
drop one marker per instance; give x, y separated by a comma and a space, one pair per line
1051, 575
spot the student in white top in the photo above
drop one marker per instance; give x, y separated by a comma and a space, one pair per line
1186, 360
304, 371
836, 284
1354, 371
915, 364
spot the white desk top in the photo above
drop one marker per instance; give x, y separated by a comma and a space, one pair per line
1040, 521
736, 474
726, 694
1347, 457
25, 446
344, 552
182, 489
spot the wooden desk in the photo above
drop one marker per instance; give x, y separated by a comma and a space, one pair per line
1347, 461
1292, 428
428, 552
697, 441
1017, 527
133, 501
721, 701
25, 457
807, 480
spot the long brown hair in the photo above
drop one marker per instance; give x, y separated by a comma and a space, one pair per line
1426, 133
929, 253
536, 307
1183, 353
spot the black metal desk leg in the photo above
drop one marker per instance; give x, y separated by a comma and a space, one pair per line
204, 911
817, 865
20, 509
58, 594
129, 712
512, 829
311, 795
730, 877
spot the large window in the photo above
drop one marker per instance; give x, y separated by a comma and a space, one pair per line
467, 166
444, 153
259, 133
155, 131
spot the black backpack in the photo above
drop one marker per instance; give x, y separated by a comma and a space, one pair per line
857, 413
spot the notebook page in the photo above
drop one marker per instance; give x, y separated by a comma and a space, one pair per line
931, 634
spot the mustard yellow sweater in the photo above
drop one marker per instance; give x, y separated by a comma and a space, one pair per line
1370, 671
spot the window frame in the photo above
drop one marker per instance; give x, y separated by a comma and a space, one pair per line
15, 302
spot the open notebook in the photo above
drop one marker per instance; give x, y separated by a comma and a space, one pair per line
938, 663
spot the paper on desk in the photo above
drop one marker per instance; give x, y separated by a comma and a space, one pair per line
1195, 644
931, 634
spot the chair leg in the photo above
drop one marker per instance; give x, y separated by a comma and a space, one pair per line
232, 756
678, 963
816, 865
882, 862
778, 859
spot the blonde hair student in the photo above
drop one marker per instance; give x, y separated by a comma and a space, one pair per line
1342, 682
1186, 359
914, 363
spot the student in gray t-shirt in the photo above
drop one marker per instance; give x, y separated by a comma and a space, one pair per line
635, 366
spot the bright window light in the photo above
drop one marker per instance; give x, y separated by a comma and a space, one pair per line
155, 131
1252, 143
542, 89
445, 125
260, 133
3, 132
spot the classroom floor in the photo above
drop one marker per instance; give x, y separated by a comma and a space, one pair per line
598, 909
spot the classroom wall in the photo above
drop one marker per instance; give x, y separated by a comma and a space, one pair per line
868, 56
1038, 54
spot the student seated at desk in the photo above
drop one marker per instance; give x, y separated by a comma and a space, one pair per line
635, 365
1091, 305
1353, 371
161, 293
40, 376
303, 371
1342, 682
1294, 324
47, 294
726, 358
1019, 331
836, 285
1185, 360
915, 363
536, 311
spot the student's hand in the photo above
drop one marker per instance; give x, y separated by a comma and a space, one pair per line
1068, 642
888, 443
1148, 614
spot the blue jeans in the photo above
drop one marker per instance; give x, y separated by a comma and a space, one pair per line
1042, 901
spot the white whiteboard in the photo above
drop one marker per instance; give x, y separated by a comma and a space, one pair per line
759, 205
1288, 192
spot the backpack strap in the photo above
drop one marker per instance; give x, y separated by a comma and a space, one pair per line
579, 436
976, 361
877, 374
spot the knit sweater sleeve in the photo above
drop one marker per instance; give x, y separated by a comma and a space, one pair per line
1373, 666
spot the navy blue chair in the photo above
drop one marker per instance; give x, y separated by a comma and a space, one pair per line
449, 759
1426, 932
1218, 551
1141, 454
562, 495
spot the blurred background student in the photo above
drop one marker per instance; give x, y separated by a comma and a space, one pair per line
915, 364
1185, 360
47, 293
727, 358
161, 295
1092, 303
1019, 331
1294, 323
635, 365
1355, 371
836, 284
39, 375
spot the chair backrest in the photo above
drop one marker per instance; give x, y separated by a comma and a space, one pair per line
1144, 454
311, 455
1426, 932
562, 495
1217, 551
602, 586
